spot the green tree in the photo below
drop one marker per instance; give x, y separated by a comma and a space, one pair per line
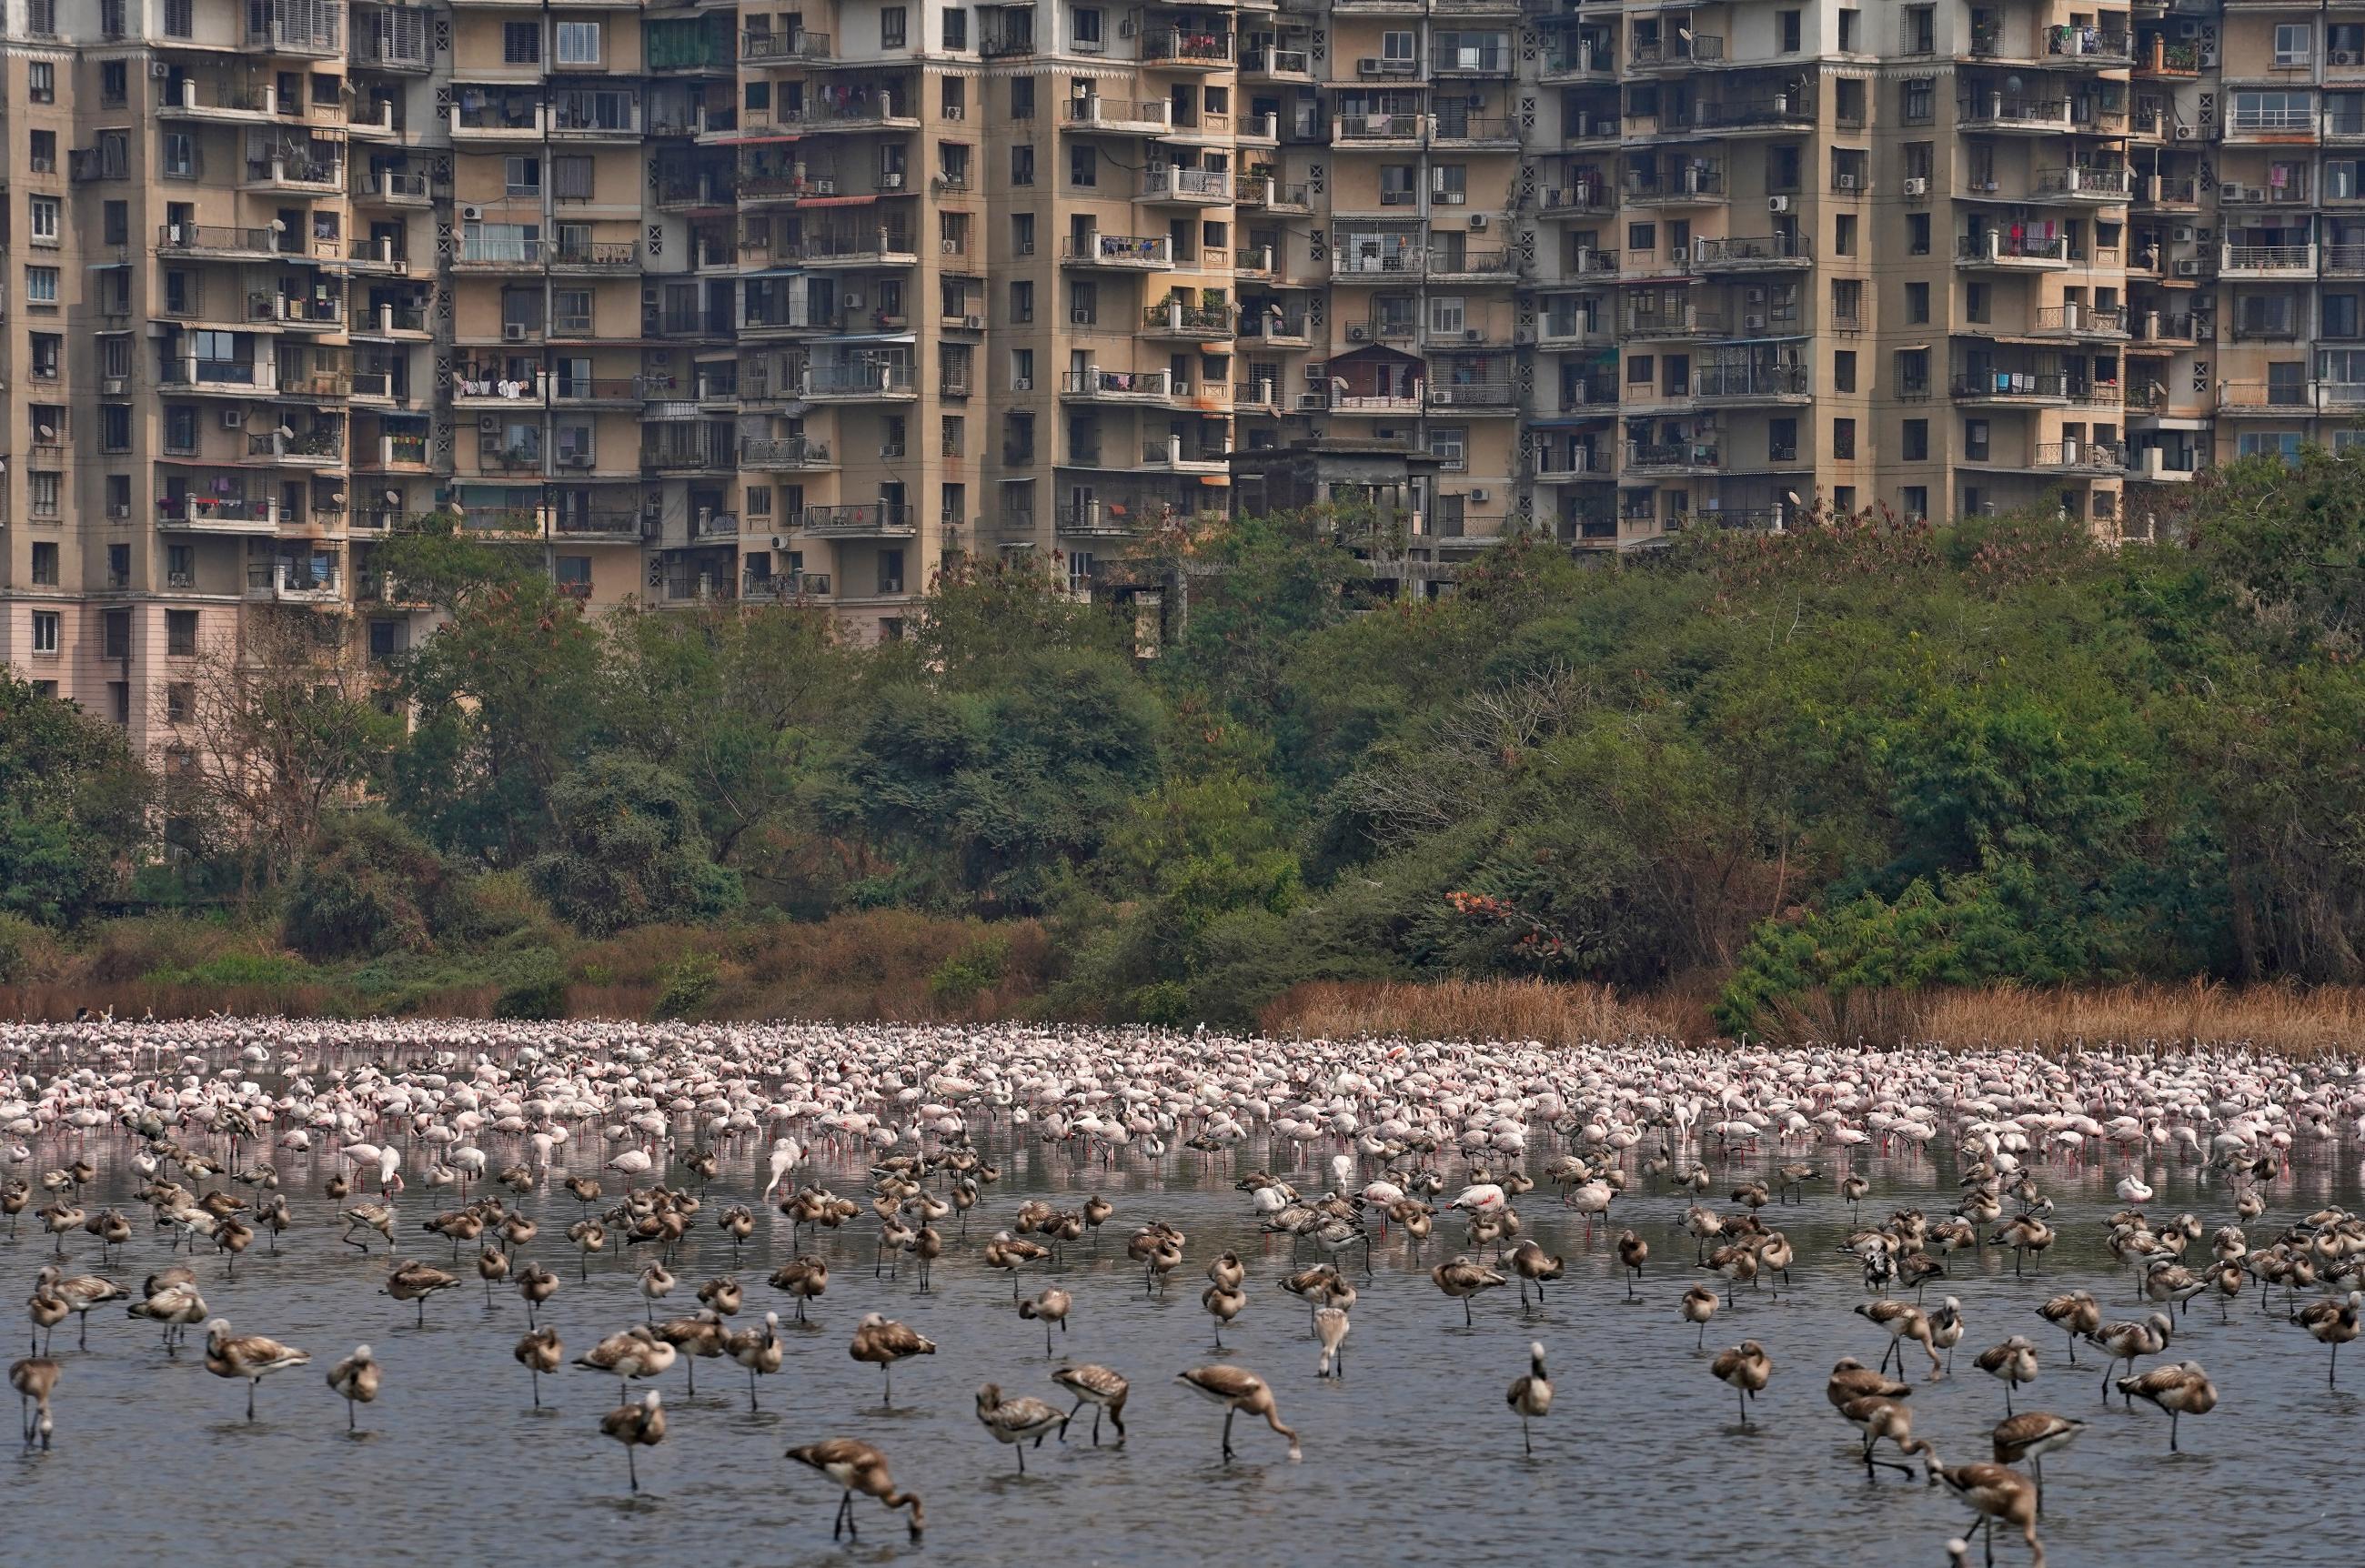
74, 806
628, 851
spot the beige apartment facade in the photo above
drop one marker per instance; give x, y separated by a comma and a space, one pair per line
704, 302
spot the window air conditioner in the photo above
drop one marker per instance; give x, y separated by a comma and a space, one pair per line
2189, 267
1477, 220
1356, 335
1482, 497
2181, 234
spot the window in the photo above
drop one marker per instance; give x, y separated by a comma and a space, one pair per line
114, 84
118, 504
41, 287
1917, 234
41, 490
891, 571
45, 631
953, 435
521, 176
1843, 234
181, 565
1083, 303
1851, 30
42, 152
1446, 315
1022, 163
46, 350
41, 82
114, 427
894, 30
1083, 164
2293, 41
578, 43
180, 701
1793, 33
1843, 370
1975, 441
1397, 48
2284, 444
45, 563
181, 633
1916, 440
570, 311
1843, 439
180, 427
956, 27
180, 155
574, 576
1975, 301
1640, 371
1918, 99
521, 43
1917, 302
115, 634
179, 18
1022, 233
115, 223
1919, 33
1781, 440
1022, 98
1088, 31
570, 180
1022, 300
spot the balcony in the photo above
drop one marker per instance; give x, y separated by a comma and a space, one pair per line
1171, 454
786, 454
1340, 399
1117, 116
2267, 261
609, 391
1694, 321
1775, 253
1475, 59
2011, 389
1194, 324
482, 253
228, 243
591, 115
293, 582
1673, 457
1473, 397
1482, 132
2282, 126
269, 307
1586, 199
1999, 112
2162, 329
232, 377
2106, 186
2095, 49
221, 99
2071, 320
2171, 62
1264, 192
768, 48
1579, 59
475, 387
1186, 49
1170, 185
1572, 329
1277, 65
885, 382
594, 256
876, 520
1118, 252
1997, 251
2081, 457
867, 107
1376, 130
1683, 185
297, 175
1554, 466
1256, 397
597, 525
2283, 398
504, 116
1351, 258
871, 247
1752, 384
1783, 111
395, 188
317, 449
195, 513
1449, 264
2166, 194
1097, 386
295, 28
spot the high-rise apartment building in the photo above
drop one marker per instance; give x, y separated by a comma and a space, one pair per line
713, 300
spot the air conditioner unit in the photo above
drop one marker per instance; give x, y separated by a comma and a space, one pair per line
233, 419
2233, 190
2188, 132
2344, 57
1026, 247
891, 182
110, 385
1079, 318
471, 214
512, 331
1848, 183
2209, 57
1777, 204
1917, 187
159, 70
1315, 369
2181, 234
119, 509
1367, 68
1477, 220
488, 424
1125, 28
575, 460
2189, 267
853, 299
1358, 334
1482, 497
1022, 383
2188, 29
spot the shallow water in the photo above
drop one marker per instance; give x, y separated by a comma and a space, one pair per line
1412, 1457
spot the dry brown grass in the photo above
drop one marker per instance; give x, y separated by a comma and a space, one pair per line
2325, 1021
1504, 1009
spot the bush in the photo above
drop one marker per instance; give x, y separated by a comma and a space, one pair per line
534, 1000
689, 982
971, 972
374, 889
26, 952
631, 852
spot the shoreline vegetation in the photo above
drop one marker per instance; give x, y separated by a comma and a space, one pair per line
892, 966
1869, 779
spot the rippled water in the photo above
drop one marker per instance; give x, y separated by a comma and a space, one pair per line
1412, 1457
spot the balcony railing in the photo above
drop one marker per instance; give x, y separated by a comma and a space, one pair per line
882, 520
1751, 381
2099, 456
2102, 45
1120, 249
1774, 249
784, 46
857, 380
1988, 385
1665, 456
1096, 382
1175, 316
1167, 179
2295, 259
1186, 46
1997, 245
2069, 318
1472, 395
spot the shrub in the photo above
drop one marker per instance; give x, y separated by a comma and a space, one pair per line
971, 972
371, 890
629, 851
533, 1001
26, 951
689, 982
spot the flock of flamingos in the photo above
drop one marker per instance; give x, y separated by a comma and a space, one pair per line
497, 1151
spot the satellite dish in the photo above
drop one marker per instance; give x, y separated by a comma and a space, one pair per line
337, 498
286, 434
277, 226
47, 432
394, 497
1685, 34
1792, 496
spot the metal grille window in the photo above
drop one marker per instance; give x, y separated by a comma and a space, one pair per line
570, 177
522, 43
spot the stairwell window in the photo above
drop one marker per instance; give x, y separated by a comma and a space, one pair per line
894, 27
41, 82
179, 18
